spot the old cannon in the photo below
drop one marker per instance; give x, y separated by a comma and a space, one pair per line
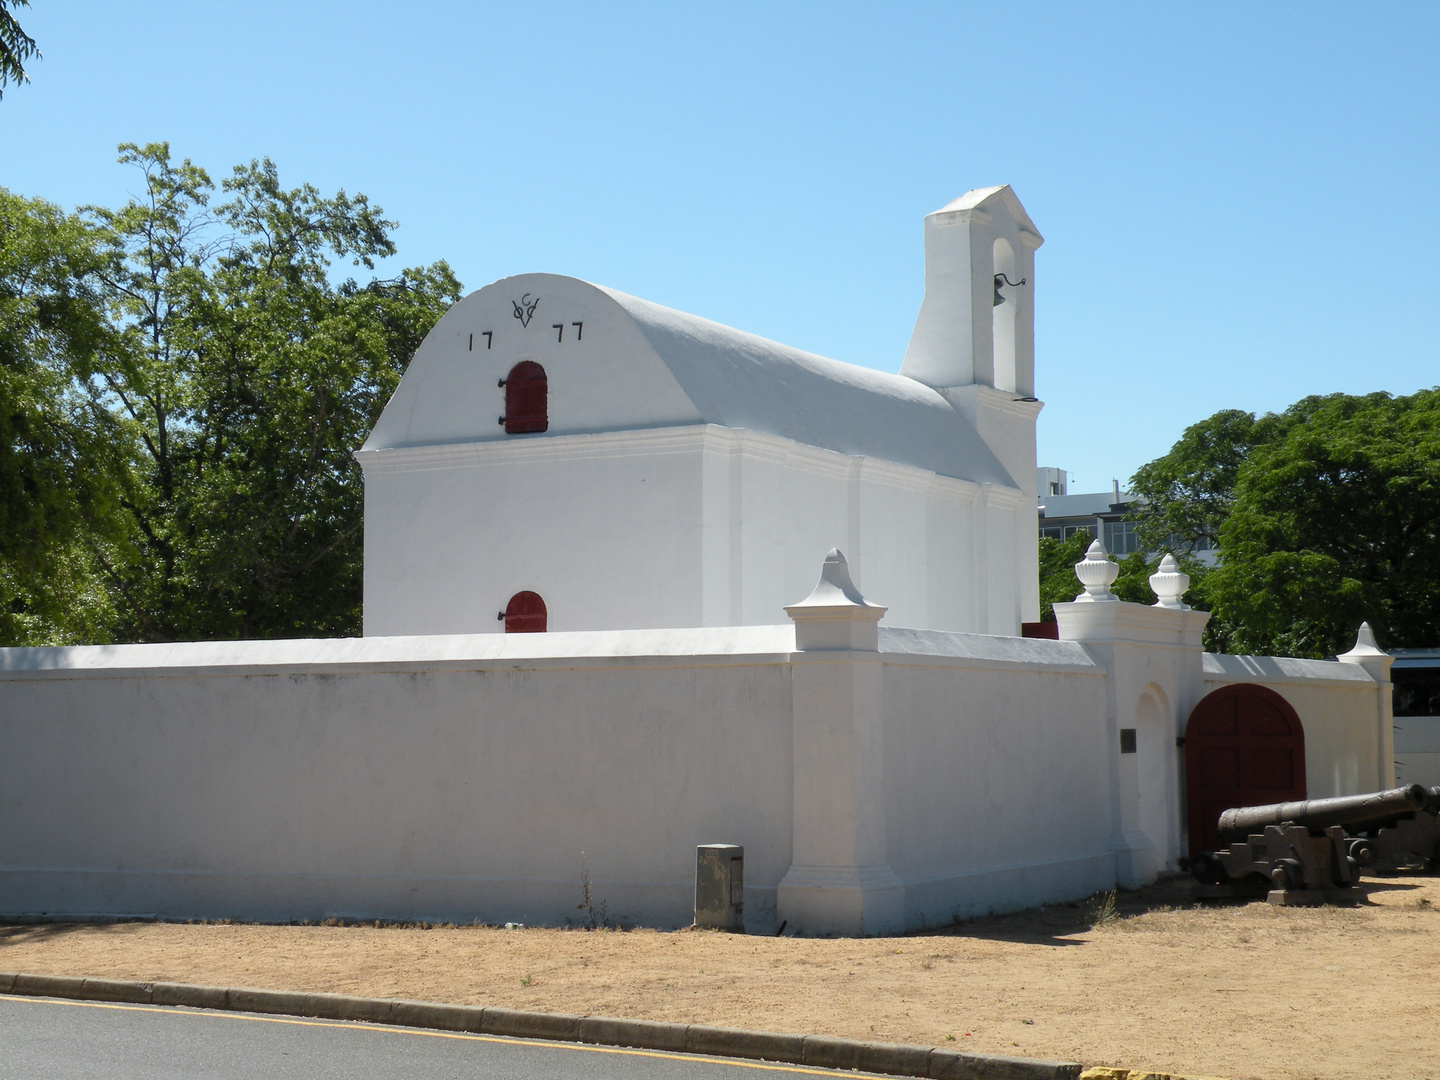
1295, 852
1412, 832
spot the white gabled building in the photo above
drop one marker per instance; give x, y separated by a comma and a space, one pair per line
664, 489
633, 467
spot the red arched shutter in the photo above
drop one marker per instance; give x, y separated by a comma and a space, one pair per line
1244, 746
526, 391
525, 614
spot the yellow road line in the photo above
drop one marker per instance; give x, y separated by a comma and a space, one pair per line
357, 1025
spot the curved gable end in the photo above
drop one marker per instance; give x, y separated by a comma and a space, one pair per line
601, 373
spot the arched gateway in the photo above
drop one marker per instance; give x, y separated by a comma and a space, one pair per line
1244, 746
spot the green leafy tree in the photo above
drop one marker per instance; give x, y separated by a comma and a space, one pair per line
16, 46
250, 378
1187, 494
1133, 582
1058, 583
1324, 515
63, 458
1335, 520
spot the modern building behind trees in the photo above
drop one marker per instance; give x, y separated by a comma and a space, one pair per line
1108, 516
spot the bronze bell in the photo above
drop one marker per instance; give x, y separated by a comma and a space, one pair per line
999, 299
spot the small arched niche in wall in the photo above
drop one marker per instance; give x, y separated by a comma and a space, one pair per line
525, 614
1155, 786
526, 399
1003, 317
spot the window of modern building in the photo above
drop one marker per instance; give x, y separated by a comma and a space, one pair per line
1120, 538
1417, 690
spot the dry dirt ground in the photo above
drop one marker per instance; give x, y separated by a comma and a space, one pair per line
1154, 984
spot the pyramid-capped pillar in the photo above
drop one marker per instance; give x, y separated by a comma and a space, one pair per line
977, 321
840, 880
1375, 661
1368, 655
835, 615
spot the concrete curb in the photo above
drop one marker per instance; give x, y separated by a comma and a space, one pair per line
820, 1051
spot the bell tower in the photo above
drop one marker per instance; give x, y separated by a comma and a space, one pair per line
977, 322
974, 340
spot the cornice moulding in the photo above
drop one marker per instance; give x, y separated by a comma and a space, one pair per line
691, 438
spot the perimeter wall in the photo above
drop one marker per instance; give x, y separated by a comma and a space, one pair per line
933, 777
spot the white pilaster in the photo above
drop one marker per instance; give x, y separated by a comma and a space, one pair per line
839, 881
1154, 650
1376, 663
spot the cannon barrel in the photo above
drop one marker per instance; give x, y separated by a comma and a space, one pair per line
1317, 814
1372, 825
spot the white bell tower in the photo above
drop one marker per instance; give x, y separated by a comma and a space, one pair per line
974, 339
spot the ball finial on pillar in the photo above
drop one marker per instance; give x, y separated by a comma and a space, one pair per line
1169, 584
1097, 573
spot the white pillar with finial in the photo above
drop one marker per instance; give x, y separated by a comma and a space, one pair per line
839, 881
1376, 662
1150, 654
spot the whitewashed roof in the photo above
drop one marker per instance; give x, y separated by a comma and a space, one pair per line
643, 365
740, 380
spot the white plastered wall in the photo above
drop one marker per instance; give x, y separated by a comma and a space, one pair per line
1027, 720
593, 523
407, 778
690, 526
773, 507
1153, 660
453, 778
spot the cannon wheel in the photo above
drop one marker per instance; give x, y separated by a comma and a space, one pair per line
1244, 746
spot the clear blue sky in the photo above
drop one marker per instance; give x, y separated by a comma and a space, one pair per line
1240, 201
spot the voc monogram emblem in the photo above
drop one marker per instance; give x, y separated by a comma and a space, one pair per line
525, 308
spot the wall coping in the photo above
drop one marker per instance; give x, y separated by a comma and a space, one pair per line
1119, 622
1224, 667
687, 647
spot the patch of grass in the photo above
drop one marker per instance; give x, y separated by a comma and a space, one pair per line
1102, 910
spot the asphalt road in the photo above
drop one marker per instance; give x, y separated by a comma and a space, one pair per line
44, 1038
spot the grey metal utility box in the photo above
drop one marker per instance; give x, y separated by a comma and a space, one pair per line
720, 887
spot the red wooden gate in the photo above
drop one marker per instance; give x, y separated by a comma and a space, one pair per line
525, 614
1244, 746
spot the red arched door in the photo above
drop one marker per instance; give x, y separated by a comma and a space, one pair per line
1244, 746
526, 393
525, 614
